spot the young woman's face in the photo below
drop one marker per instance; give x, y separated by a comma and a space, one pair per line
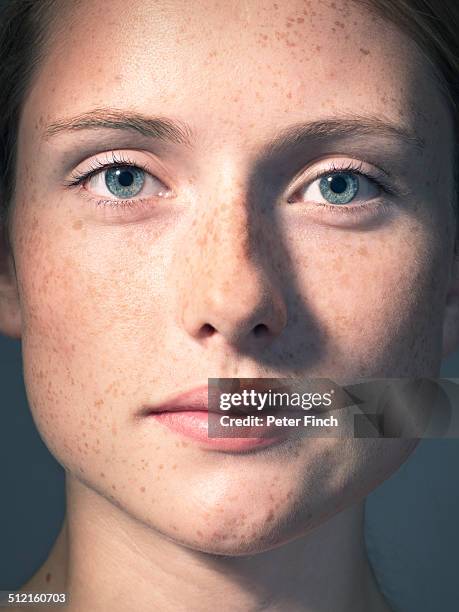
230, 258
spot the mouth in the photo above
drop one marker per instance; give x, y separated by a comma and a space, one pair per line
192, 416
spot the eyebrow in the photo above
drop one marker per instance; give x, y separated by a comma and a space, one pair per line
160, 128
336, 127
177, 132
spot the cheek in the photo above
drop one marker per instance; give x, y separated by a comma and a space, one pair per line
78, 339
376, 297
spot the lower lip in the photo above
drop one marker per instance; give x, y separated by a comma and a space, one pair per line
194, 424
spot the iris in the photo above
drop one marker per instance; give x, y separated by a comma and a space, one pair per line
124, 181
339, 188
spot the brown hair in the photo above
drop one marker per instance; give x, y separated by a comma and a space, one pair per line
25, 27
434, 26
23, 30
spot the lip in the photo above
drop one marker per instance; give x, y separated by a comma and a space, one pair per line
195, 399
198, 398
187, 414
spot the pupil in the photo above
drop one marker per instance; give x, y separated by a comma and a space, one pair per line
125, 178
338, 184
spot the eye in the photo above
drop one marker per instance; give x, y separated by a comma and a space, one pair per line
339, 188
124, 182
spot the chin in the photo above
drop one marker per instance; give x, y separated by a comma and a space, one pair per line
235, 543
250, 531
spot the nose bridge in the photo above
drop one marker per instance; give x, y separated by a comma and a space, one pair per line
225, 229
227, 261
230, 236
228, 287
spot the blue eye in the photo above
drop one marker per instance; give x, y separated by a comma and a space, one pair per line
339, 188
120, 181
124, 181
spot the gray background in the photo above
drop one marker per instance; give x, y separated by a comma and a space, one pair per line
412, 519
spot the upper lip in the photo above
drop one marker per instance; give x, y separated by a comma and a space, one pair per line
197, 398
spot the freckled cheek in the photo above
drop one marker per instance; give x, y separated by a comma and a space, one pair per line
68, 300
56, 314
365, 285
57, 306
82, 319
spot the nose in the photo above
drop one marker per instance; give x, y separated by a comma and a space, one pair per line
231, 291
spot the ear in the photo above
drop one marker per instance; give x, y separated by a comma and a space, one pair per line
451, 316
10, 312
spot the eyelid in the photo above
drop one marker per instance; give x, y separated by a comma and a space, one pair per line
373, 173
112, 159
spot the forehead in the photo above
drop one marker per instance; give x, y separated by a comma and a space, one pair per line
233, 68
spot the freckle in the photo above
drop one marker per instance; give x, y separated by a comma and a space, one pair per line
199, 532
102, 475
174, 467
184, 444
270, 516
48, 577
300, 19
364, 51
161, 466
142, 489
114, 487
158, 447
77, 224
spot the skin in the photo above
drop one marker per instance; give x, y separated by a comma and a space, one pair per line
117, 308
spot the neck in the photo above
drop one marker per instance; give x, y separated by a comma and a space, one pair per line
104, 555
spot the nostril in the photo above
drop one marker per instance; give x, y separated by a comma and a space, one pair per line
206, 330
260, 330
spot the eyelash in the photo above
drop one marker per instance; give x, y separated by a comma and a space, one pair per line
355, 168
78, 178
